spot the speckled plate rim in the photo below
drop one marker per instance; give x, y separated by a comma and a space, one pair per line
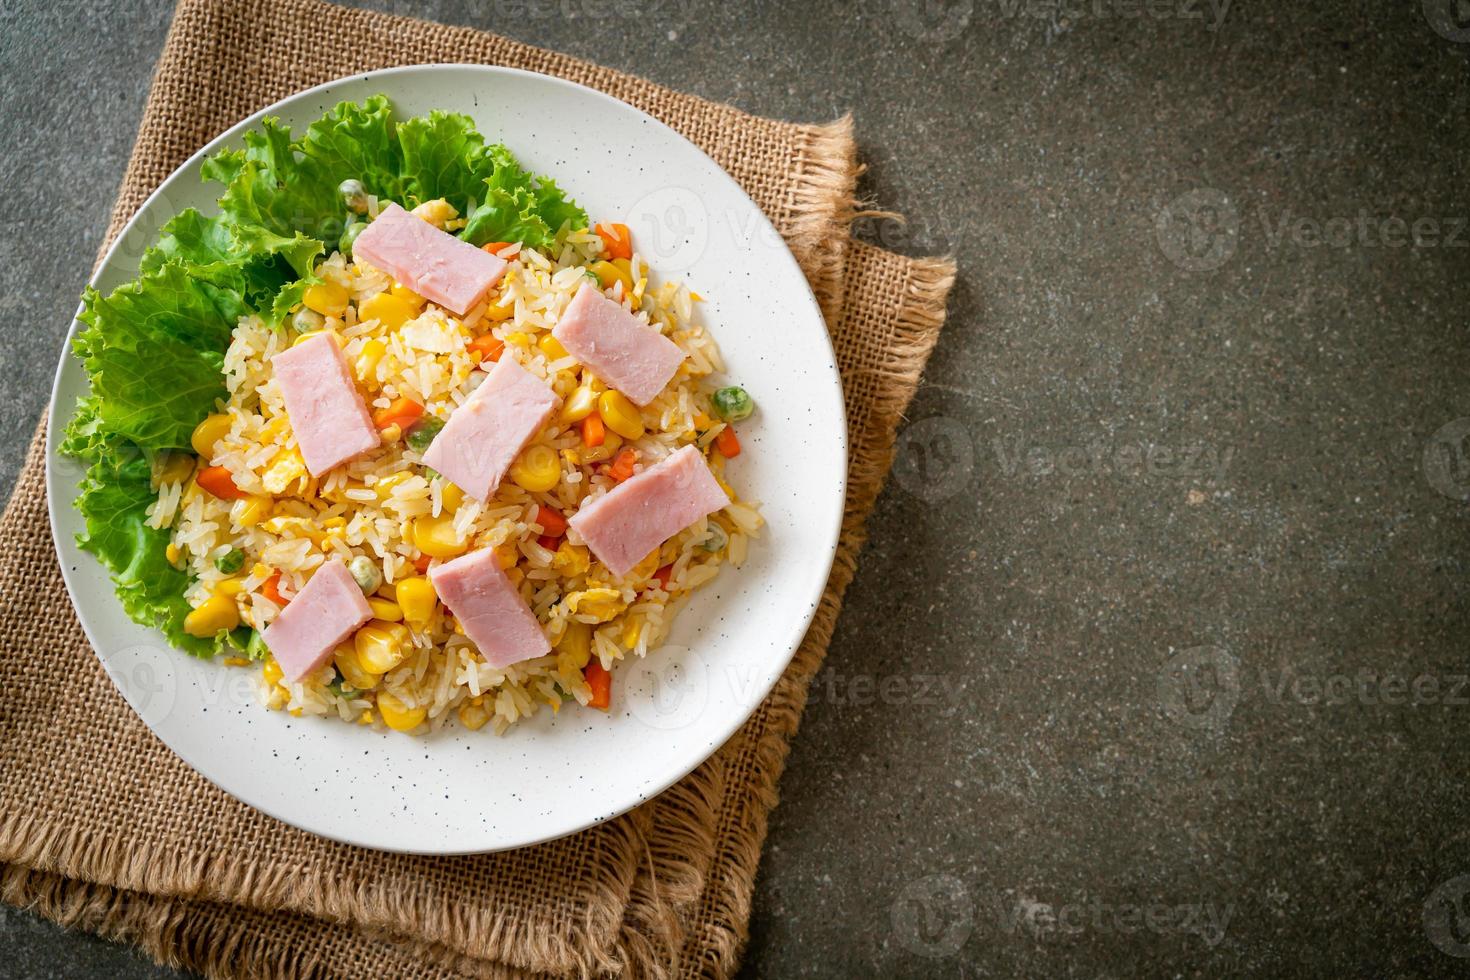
98, 610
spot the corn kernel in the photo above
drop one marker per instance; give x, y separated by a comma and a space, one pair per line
518, 339
365, 367
352, 670
451, 497
384, 487
327, 298
381, 646
208, 432
631, 629
646, 567
399, 716
236, 662
621, 415
213, 614
408, 295
391, 433
536, 470
611, 443
176, 468
416, 597
575, 646
436, 212
580, 404
500, 310
608, 273
551, 347
385, 610
172, 553
229, 587
436, 537
389, 310
271, 673
251, 510
473, 716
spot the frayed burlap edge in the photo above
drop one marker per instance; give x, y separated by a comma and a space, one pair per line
821, 207
102, 861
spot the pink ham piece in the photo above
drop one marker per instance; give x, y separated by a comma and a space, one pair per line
643, 512
620, 349
489, 608
325, 612
327, 414
436, 265
485, 434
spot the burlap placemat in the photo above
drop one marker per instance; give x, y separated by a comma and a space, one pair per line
103, 828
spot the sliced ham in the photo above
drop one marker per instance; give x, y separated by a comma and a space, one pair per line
436, 265
489, 609
485, 434
324, 613
327, 414
635, 517
620, 349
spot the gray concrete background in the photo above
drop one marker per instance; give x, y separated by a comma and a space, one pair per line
1154, 664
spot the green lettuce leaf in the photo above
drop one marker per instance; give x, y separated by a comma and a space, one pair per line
154, 350
443, 156
116, 493
256, 264
519, 207
357, 142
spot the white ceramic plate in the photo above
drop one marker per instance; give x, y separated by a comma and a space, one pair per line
459, 791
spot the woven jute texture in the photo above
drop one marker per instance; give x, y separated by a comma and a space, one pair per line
102, 828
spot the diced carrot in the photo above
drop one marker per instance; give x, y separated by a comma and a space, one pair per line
553, 525
593, 431
617, 242
548, 541
217, 480
727, 443
663, 576
601, 683
485, 348
421, 563
493, 247
402, 412
271, 589
622, 465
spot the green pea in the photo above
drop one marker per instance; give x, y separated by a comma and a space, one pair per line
349, 235
421, 435
732, 404
716, 540
231, 561
354, 195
